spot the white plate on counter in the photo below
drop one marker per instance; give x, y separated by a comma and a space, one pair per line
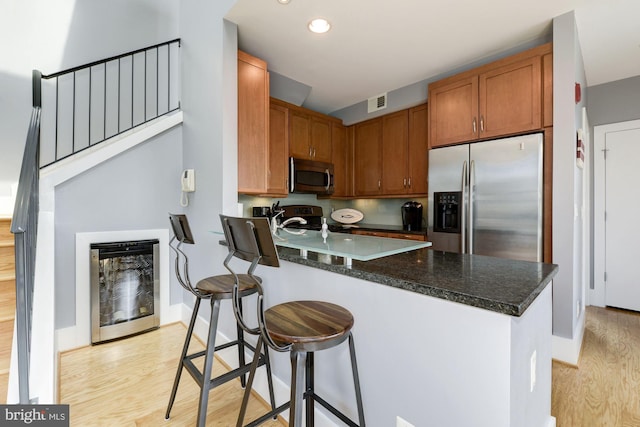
347, 216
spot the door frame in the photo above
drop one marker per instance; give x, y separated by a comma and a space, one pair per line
597, 295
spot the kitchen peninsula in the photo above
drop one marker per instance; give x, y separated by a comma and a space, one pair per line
443, 339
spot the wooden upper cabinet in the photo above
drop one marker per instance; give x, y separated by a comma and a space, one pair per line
367, 151
278, 150
321, 139
341, 159
300, 133
498, 99
310, 136
547, 90
510, 98
395, 140
253, 124
418, 150
454, 112
390, 154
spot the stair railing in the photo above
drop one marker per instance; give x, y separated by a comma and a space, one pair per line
86, 105
107, 98
24, 227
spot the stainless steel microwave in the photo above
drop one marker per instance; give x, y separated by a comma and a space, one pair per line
309, 176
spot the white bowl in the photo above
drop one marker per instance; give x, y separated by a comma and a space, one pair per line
347, 216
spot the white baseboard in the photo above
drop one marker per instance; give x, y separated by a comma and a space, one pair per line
551, 422
567, 350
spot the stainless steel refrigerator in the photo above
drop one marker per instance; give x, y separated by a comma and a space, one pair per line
485, 198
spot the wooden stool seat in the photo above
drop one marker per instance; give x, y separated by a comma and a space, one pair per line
221, 287
309, 325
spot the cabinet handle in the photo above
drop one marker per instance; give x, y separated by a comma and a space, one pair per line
474, 125
314, 153
310, 151
409, 182
378, 184
405, 183
481, 124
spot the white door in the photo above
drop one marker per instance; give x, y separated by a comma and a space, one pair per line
622, 224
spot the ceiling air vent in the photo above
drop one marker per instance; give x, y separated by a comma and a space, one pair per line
377, 103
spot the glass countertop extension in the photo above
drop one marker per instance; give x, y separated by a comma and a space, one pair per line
348, 246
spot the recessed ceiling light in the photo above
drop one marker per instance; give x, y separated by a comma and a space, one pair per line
284, 1
319, 25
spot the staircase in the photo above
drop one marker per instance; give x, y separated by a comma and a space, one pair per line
7, 303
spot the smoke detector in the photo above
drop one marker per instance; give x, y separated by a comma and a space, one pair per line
377, 103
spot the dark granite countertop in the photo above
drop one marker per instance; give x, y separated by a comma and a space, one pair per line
496, 284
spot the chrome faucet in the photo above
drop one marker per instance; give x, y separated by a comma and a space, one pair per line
274, 221
275, 226
292, 220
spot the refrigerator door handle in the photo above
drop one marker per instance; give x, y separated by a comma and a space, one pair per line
463, 220
472, 182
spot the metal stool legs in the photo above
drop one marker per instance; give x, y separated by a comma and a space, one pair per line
298, 386
302, 391
204, 379
308, 395
208, 363
185, 348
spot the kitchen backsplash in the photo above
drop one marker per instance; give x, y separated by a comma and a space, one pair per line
376, 211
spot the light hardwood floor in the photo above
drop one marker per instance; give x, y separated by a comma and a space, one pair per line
128, 382
605, 389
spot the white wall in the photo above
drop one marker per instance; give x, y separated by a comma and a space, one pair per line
209, 93
127, 192
568, 286
51, 36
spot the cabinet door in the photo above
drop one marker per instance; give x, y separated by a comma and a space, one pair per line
510, 98
394, 235
300, 131
370, 233
339, 158
253, 122
547, 90
320, 139
395, 140
418, 151
367, 161
278, 149
453, 112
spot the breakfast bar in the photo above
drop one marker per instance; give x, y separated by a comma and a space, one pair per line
442, 338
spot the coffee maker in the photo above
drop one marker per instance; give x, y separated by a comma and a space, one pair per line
412, 216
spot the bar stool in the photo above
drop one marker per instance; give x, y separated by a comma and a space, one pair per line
298, 327
214, 289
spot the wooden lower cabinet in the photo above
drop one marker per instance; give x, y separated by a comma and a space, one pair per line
391, 234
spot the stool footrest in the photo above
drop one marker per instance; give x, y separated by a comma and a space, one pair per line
307, 395
271, 414
197, 375
330, 408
